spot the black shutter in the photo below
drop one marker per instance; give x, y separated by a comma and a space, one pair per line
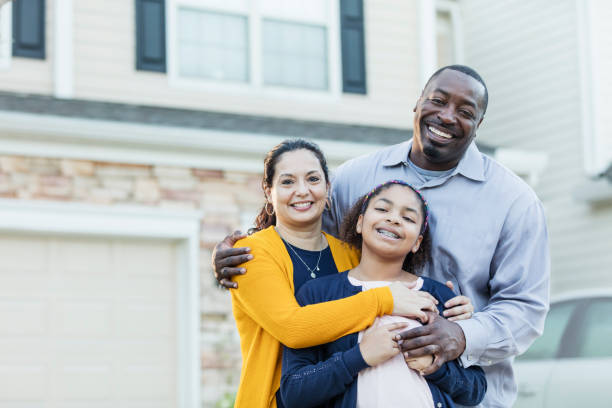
353, 46
29, 28
151, 35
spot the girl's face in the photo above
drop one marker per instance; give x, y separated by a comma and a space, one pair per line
391, 224
298, 189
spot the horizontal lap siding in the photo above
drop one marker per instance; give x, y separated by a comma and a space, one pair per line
530, 63
105, 70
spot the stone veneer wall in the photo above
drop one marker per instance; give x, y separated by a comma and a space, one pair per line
224, 197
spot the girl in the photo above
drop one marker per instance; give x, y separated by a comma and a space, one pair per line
367, 369
289, 250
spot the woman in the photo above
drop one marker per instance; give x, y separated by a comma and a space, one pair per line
367, 369
290, 249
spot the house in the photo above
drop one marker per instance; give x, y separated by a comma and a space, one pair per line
546, 65
132, 135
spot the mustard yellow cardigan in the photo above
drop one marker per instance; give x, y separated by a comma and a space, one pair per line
268, 316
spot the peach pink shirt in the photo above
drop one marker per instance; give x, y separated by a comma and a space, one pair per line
392, 383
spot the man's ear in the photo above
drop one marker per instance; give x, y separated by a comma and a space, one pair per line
359, 225
480, 121
417, 244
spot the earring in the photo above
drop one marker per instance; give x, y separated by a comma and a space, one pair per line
270, 213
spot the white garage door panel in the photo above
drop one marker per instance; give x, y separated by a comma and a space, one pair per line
87, 322
23, 254
23, 317
17, 382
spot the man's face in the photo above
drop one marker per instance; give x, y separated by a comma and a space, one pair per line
446, 118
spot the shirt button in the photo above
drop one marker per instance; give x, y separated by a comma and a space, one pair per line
489, 362
439, 404
470, 357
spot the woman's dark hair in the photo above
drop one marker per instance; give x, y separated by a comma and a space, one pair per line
264, 220
414, 262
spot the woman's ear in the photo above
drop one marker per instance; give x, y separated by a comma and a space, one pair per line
417, 244
359, 225
268, 194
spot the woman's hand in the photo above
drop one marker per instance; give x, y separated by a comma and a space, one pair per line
411, 303
378, 345
459, 307
420, 363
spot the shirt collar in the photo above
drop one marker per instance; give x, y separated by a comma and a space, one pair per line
471, 164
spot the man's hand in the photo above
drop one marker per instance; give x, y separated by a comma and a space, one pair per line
458, 308
440, 337
225, 259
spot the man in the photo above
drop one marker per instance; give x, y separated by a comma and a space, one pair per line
488, 231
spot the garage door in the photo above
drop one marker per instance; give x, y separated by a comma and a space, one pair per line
87, 322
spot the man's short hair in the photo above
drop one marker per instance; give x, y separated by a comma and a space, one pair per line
467, 71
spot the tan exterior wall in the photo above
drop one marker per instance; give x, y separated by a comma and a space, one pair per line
222, 196
104, 69
27, 75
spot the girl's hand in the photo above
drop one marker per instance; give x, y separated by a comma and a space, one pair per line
411, 303
378, 345
459, 307
420, 363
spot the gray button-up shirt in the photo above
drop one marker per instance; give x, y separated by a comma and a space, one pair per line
489, 238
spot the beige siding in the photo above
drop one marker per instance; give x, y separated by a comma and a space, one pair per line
105, 61
27, 75
530, 63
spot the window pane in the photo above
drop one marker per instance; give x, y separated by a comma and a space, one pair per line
597, 335
294, 55
212, 45
444, 38
547, 346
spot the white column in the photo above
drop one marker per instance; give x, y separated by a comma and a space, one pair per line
64, 55
427, 39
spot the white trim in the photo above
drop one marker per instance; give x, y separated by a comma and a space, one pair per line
526, 164
120, 142
6, 35
589, 79
254, 85
73, 218
64, 54
453, 8
428, 49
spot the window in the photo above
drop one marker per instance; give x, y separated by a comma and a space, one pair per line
257, 44
212, 45
448, 33
547, 346
444, 38
294, 54
597, 333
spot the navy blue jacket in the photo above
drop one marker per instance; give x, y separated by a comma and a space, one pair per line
325, 375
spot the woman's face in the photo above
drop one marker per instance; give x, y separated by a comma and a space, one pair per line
299, 189
391, 224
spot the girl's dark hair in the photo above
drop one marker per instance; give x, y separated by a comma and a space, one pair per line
414, 262
264, 220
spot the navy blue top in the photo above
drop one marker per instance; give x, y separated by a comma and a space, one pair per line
325, 375
301, 275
